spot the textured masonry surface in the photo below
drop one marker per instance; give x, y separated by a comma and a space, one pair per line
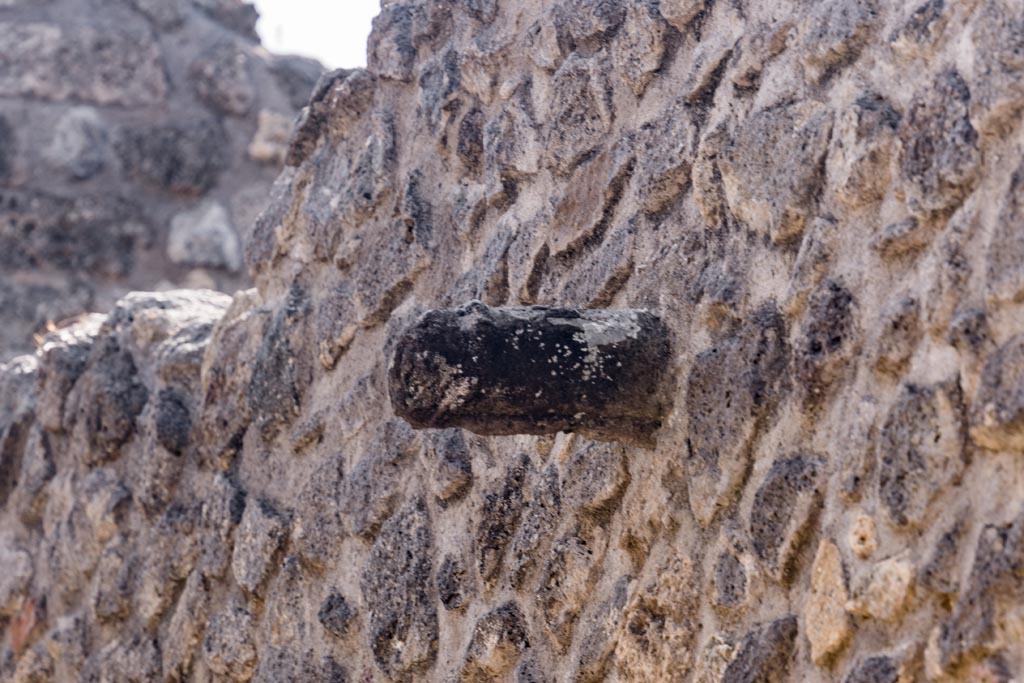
820, 201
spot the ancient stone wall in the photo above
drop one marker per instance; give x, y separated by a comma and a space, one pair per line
138, 140
822, 201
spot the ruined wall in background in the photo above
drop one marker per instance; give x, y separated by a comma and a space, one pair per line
138, 140
822, 201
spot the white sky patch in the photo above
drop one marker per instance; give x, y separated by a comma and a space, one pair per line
333, 31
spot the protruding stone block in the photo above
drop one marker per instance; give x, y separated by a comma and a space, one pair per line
534, 370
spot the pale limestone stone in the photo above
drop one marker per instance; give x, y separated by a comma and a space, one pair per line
862, 536
885, 592
825, 619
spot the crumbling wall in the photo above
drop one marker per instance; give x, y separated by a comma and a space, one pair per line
138, 139
821, 201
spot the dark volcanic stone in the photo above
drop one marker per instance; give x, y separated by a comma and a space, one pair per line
732, 387
482, 10
453, 584
921, 449
539, 520
942, 570
533, 371
994, 583
783, 507
498, 639
730, 581
373, 491
453, 466
284, 666
7, 148
997, 412
821, 354
319, 511
765, 655
940, 156
312, 121
500, 518
399, 597
280, 375
173, 421
595, 479
12, 445
94, 234
470, 146
875, 670
180, 158
336, 614
110, 399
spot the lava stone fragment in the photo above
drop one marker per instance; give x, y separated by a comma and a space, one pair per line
784, 505
730, 581
875, 670
766, 654
940, 156
173, 421
7, 147
535, 370
184, 159
499, 637
822, 354
399, 596
993, 586
921, 449
279, 373
997, 412
453, 583
111, 396
500, 515
336, 614
453, 466
732, 388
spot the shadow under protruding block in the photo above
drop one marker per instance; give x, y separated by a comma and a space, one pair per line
536, 370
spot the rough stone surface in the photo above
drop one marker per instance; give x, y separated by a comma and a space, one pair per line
401, 603
920, 450
259, 536
878, 669
498, 640
725, 417
825, 619
819, 201
784, 507
336, 614
884, 592
122, 123
997, 413
765, 654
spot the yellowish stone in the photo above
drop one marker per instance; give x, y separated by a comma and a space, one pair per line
825, 619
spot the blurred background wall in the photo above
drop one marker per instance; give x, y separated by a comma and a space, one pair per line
138, 142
